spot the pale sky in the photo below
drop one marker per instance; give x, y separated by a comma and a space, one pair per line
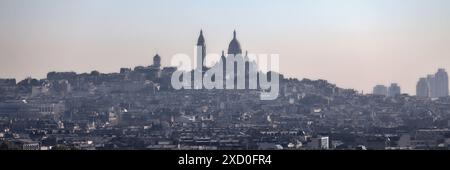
352, 43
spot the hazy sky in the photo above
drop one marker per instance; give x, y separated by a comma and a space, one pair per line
352, 43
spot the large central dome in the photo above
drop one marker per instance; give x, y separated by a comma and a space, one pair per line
234, 47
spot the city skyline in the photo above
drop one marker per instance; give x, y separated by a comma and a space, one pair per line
236, 75
386, 42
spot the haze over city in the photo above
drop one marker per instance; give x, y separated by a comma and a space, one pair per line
353, 43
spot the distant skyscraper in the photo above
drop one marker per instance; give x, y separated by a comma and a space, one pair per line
422, 89
433, 86
441, 78
380, 90
394, 90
